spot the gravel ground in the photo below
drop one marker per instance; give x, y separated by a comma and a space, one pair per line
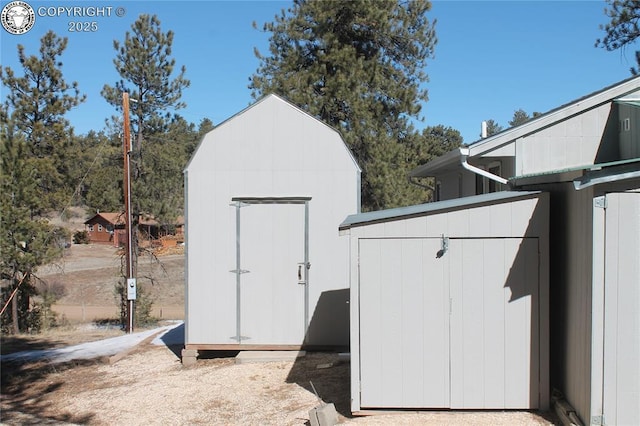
149, 386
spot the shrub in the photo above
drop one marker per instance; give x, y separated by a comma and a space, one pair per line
81, 237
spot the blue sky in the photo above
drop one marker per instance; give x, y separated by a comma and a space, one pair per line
492, 57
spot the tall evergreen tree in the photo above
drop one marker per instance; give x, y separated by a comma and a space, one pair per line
146, 68
37, 102
431, 143
623, 28
359, 67
34, 137
25, 242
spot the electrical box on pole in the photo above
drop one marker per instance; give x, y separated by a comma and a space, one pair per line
131, 289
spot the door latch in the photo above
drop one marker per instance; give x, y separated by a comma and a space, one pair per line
301, 274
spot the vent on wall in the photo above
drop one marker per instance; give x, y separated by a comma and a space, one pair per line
625, 125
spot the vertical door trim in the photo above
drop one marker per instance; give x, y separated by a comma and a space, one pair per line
597, 307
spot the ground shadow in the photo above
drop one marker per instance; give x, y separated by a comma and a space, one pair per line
330, 374
326, 339
17, 343
174, 340
26, 393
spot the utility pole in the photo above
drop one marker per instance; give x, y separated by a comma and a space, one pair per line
131, 280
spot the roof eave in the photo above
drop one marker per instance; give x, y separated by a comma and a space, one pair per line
441, 163
554, 116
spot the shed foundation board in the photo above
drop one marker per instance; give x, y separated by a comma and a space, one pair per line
245, 347
246, 357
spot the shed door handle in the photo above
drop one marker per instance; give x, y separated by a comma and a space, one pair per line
299, 272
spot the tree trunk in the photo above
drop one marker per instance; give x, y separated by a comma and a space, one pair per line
14, 314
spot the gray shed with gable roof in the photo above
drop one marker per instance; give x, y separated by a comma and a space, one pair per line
449, 304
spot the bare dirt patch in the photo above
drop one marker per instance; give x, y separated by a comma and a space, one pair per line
89, 272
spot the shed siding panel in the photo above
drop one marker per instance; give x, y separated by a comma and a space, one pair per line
468, 361
622, 307
404, 337
495, 354
521, 324
571, 143
497, 255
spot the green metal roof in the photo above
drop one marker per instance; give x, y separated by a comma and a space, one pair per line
399, 213
632, 102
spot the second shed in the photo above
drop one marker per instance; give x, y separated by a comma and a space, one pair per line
449, 304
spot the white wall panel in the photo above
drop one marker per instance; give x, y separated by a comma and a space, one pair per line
621, 391
571, 143
404, 324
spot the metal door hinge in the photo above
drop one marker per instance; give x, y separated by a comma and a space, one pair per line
600, 202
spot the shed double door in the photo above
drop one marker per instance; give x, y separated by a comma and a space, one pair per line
448, 327
271, 288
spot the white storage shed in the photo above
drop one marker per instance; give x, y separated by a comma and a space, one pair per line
266, 269
449, 304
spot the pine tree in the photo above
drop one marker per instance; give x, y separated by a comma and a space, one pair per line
623, 28
493, 127
26, 242
146, 67
519, 117
37, 102
35, 137
359, 67
101, 189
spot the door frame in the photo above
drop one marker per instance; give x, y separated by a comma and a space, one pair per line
238, 203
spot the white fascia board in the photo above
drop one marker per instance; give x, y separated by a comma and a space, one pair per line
444, 162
